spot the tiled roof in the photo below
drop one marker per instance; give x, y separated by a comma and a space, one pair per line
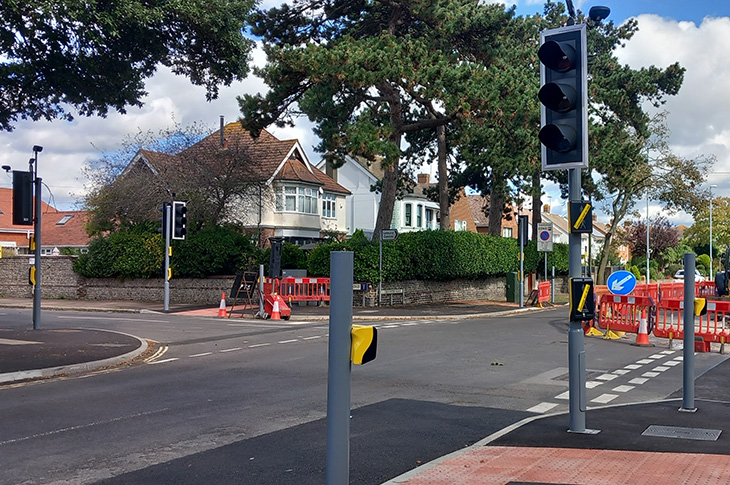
477, 203
295, 170
329, 184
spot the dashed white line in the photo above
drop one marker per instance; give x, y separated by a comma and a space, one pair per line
288, 341
258, 345
650, 374
389, 326
638, 380
605, 398
621, 371
607, 377
645, 361
672, 363
312, 338
543, 407
201, 355
633, 366
623, 388
657, 356
668, 352
592, 384
230, 350
410, 324
679, 358
660, 368
164, 361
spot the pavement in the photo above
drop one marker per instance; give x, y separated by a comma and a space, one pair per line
649, 442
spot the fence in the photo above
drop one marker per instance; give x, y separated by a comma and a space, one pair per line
624, 313
299, 289
711, 327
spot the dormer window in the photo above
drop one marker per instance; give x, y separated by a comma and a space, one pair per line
290, 198
64, 220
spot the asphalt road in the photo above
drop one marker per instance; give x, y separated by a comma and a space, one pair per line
225, 401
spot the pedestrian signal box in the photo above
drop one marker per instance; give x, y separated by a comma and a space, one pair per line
582, 304
364, 343
700, 306
580, 215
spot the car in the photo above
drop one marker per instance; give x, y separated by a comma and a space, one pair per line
679, 276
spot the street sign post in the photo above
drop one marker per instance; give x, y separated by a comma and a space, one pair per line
385, 235
621, 282
545, 236
388, 234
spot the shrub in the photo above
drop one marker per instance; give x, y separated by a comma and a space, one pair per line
220, 250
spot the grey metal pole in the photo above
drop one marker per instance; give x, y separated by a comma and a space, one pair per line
552, 287
522, 276
339, 370
168, 228
261, 291
576, 346
648, 252
37, 237
380, 281
688, 394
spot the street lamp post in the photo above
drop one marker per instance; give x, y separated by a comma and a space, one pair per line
711, 255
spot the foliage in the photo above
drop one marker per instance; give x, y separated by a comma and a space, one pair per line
221, 250
96, 55
662, 236
138, 251
292, 257
699, 234
436, 255
703, 263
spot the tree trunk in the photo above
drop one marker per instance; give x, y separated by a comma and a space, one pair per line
496, 211
444, 205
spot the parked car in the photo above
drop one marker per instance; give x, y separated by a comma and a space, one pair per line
679, 276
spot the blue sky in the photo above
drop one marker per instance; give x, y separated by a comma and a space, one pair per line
695, 33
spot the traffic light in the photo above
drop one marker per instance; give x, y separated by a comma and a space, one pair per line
522, 230
564, 97
364, 344
164, 223
22, 198
179, 219
582, 303
580, 215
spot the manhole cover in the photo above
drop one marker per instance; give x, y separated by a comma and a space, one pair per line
682, 433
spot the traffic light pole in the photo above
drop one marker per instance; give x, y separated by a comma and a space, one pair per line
168, 229
37, 237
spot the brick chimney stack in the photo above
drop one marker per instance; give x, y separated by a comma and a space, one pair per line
546, 208
424, 178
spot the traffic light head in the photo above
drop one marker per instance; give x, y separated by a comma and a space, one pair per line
179, 220
164, 223
563, 96
364, 344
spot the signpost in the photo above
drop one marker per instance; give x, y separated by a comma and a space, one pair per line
545, 241
621, 282
385, 235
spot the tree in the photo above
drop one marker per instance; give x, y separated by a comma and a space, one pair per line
699, 234
370, 73
96, 55
662, 236
184, 164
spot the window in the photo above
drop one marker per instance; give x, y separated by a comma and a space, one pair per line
506, 232
429, 218
328, 205
63, 220
459, 225
419, 215
408, 221
297, 199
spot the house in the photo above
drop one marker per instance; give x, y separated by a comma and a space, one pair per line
288, 197
59, 229
412, 212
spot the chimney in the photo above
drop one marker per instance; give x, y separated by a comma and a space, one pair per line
424, 178
223, 124
595, 218
546, 208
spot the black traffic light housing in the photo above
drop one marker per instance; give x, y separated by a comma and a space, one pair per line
580, 216
22, 198
564, 98
522, 231
582, 302
179, 219
164, 223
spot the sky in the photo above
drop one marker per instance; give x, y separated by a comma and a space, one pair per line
696, 34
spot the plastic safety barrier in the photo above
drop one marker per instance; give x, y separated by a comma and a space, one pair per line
712, 327
675, 290
299, 289
543, 289
621, 313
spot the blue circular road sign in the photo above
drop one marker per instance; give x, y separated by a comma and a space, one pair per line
621, 282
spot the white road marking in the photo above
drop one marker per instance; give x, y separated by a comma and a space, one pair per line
657, 356
650, 374
623, 388
158, 353
668, 352
605, 398
258, 345
607, 377
638, 380
123, 319
230, 350
410, 324
173, 359
312, 338
563, 395
201, 355
679, 358
672, 362
633, 366
660, 368
288, 341
645, 361
592, 384
543, 407
9, 341
621, 371
389, 326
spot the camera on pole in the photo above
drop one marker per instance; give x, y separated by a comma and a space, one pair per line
564, 98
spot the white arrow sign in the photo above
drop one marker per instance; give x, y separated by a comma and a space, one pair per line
619, 285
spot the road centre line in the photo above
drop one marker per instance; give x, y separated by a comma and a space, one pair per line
288, 341
258, 345
163, 361
230, 350
201, 355
312, 338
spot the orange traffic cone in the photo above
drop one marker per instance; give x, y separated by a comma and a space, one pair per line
276, 313
642, 338
222, 308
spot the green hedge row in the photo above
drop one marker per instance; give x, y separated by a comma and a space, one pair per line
437, 255
138, 252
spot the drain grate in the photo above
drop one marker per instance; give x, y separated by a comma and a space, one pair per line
682, 433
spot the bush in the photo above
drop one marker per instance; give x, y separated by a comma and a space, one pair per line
292, 257
220, 250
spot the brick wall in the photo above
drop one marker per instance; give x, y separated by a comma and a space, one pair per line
60, 281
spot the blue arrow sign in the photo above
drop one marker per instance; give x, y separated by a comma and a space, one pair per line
621, 282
